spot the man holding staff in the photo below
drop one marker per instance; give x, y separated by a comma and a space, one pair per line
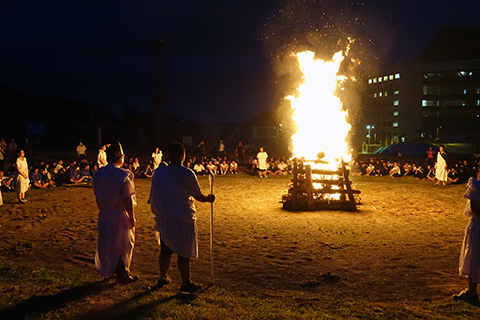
174, 188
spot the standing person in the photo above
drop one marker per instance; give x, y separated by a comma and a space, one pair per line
115, 195
240, 152
12, 149
441, 172
3, 150
201, 149
430, 157
262, 157
221, 149
174, 187
157, 158
22, 182
81, 151
102, 157
469, 264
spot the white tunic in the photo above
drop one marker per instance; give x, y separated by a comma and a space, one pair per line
21, 183
469, 264
157, 158
172, 202
262, 160
101, 155
115, 239
441, 172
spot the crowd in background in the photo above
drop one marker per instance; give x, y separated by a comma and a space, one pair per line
458, 171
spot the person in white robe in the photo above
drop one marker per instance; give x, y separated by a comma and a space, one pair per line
262, 157
469, 263
441, 172
102, 157
22, 181
174, 188
115, 195
157, 158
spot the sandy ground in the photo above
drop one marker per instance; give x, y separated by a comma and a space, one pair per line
402, 245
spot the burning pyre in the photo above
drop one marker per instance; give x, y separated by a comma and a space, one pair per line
320, 177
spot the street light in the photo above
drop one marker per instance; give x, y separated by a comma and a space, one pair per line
369, 127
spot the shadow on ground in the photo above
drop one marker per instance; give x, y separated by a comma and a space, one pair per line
38, 305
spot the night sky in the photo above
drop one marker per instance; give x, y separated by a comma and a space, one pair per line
217, 63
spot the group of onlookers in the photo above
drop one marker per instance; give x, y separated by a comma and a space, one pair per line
457, 172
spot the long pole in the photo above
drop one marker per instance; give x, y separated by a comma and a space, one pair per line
212, 271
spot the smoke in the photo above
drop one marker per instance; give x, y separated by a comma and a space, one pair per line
324, 27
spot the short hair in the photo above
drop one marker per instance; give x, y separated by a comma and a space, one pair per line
114, 152
175, 151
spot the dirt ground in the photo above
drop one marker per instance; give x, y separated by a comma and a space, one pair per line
400, 249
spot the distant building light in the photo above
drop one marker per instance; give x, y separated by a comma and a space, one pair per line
374, 80
385, 78
380, 94
395, 124
397, 75
464, 91
379, 79
462, 73
478, 102
396, 92
390, 77
375, 95
403, 139
369, 81
396, 102
385, 94
395, 113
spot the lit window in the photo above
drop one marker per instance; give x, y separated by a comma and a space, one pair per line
390, 77
396, 92
478, 102
397, 75
395, 138
380, 94
369, 81
403, 139
395, 113
379, 79
375, 95
395, 124
462, 73
385, 94
374, 80
478, 91
464, 91
385, 78
396, 102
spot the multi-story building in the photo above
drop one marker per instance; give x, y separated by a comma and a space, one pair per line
435, 98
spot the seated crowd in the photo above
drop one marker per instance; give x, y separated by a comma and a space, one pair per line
275, 166
458, 172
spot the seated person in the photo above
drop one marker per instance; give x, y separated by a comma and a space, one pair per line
233, 167
36, 180
47, 175
453, 175
395, 171
148, 171
282, 168
407, 169
420, 172
74, 175
224, 167
85, 173
431, 173
211, 168
199, 168
370, 169
6, 182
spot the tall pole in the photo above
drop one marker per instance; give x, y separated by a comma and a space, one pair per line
212, 262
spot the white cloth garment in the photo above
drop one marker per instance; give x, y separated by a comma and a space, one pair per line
21, 183
172, 202
262, 160
115, 239
441, 172
469, 263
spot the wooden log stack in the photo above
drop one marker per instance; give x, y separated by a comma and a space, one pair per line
320, 189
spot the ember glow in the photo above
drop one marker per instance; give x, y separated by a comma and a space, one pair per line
321, 122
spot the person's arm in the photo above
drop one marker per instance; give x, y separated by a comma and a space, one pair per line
128, 205
210, 198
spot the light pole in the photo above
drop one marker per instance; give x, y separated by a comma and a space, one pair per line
369, 127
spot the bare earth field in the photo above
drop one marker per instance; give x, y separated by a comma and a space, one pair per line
396, 258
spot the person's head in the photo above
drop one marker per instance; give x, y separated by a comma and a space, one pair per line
176, 152
81, 143
21, 153
261, 149
441, 148
115, 153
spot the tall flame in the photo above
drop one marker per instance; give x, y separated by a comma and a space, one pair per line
322, 124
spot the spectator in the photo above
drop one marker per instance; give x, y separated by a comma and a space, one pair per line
81, 151
157, 158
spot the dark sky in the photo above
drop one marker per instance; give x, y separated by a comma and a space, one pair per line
217, 59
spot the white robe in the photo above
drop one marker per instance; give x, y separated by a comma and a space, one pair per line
21, 183
469, 264
441, 172
115, 239
171, 199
